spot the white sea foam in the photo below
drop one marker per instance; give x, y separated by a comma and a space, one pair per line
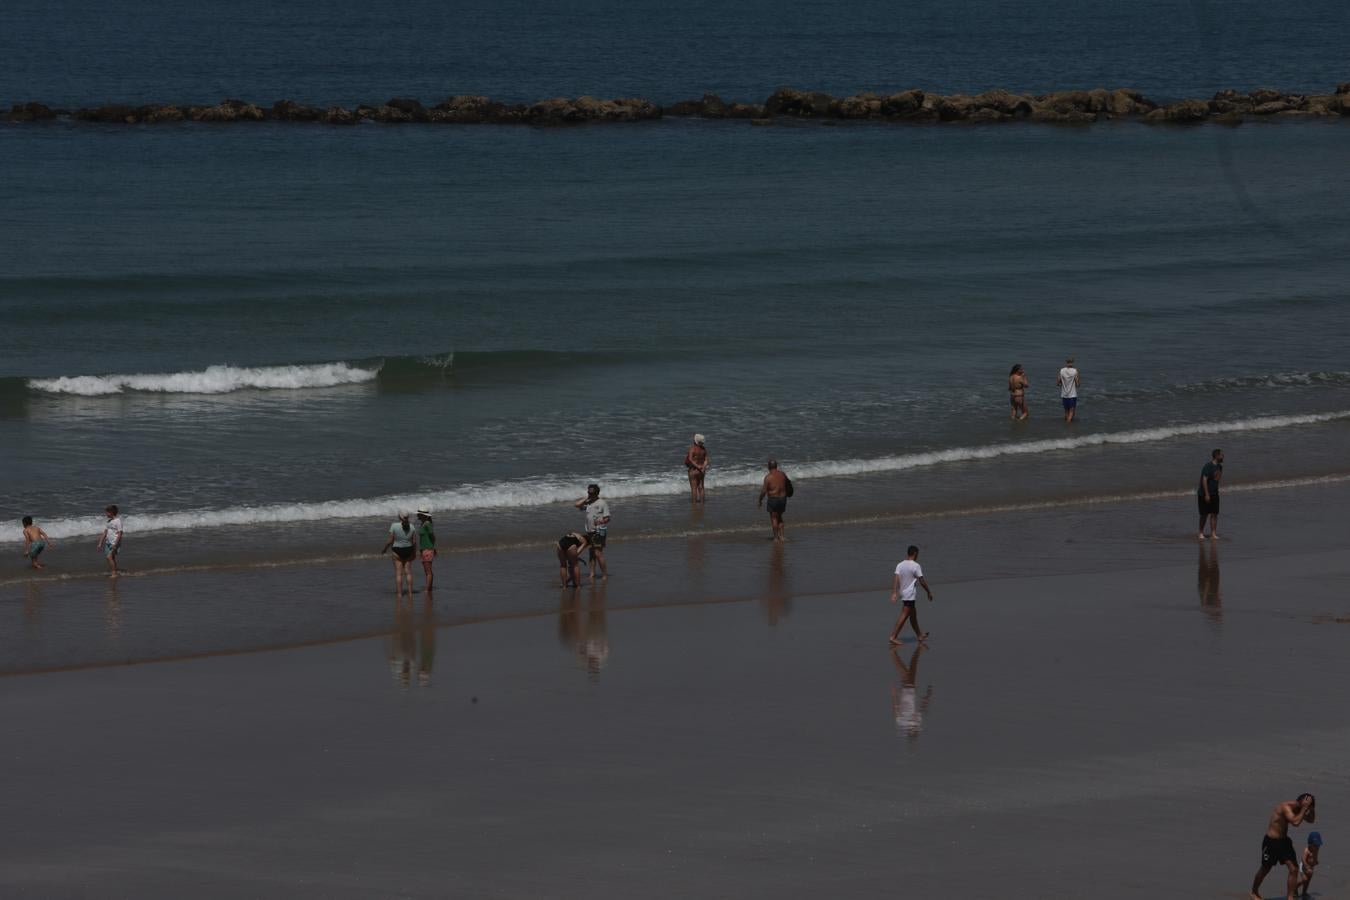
556, 489
212, 380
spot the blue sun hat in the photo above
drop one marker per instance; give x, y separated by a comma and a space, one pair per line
1314, 839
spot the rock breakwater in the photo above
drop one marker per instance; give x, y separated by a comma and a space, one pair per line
1080, 107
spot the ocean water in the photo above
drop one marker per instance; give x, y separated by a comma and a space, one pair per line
258, 336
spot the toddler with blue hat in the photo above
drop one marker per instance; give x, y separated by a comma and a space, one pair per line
1309, 861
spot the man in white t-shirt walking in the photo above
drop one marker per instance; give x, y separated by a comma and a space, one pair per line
909, 575
1068, 382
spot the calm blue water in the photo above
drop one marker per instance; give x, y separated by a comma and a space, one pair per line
490, 317
81, 51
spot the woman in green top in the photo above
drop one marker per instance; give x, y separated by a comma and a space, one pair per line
426, 542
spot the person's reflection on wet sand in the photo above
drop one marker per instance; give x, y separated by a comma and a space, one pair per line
32, 604
569, 620
402, 644
907, 708
778, 590
426, 644
112, 611
695, 551
1207, 581
594, 648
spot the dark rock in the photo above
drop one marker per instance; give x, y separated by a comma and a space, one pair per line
564, 111
1183, 112
290, 111
391, 115
956, 108
1061, 115
111, 112
226, 111
339, 115
1064, 101
1270, 108
988, 114
30, 112
167, 113
464, 108
745, 111
861, 106
409, 107
1265, 95
1229, 107
1008, 105
712, 107
1343, 87
804, 104
685, 108
905, 104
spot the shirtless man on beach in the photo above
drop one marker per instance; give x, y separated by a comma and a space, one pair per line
696, 461
1277, 848
776, 489
907, 575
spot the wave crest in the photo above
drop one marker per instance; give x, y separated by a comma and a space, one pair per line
211, 380
557, 489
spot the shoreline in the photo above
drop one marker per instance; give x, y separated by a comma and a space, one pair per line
1075, 502
94, 622
1067, 107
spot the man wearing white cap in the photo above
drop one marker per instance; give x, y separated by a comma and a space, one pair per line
696, 461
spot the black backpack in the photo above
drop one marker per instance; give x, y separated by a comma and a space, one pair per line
787, 486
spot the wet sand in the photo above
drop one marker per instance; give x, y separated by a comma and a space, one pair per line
1116, 732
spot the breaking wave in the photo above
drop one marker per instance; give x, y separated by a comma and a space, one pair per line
224, 379
556, 488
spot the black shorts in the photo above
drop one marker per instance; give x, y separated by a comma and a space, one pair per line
597, 539
1208, 507
405, 554
567, 542
777, 504
1277, 851
909, 603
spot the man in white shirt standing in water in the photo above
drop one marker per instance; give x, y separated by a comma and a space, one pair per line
1068, 382
908, 575
597, 527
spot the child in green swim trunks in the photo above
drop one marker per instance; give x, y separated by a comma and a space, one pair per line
35, 540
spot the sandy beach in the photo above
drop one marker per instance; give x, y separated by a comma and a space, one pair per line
1104, 709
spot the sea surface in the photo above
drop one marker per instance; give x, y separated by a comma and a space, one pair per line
261, 340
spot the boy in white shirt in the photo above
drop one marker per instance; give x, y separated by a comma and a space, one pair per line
908, 575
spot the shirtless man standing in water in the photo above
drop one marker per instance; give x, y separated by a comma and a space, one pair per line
696, 460
1277, 848
1017, 392
776, 489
